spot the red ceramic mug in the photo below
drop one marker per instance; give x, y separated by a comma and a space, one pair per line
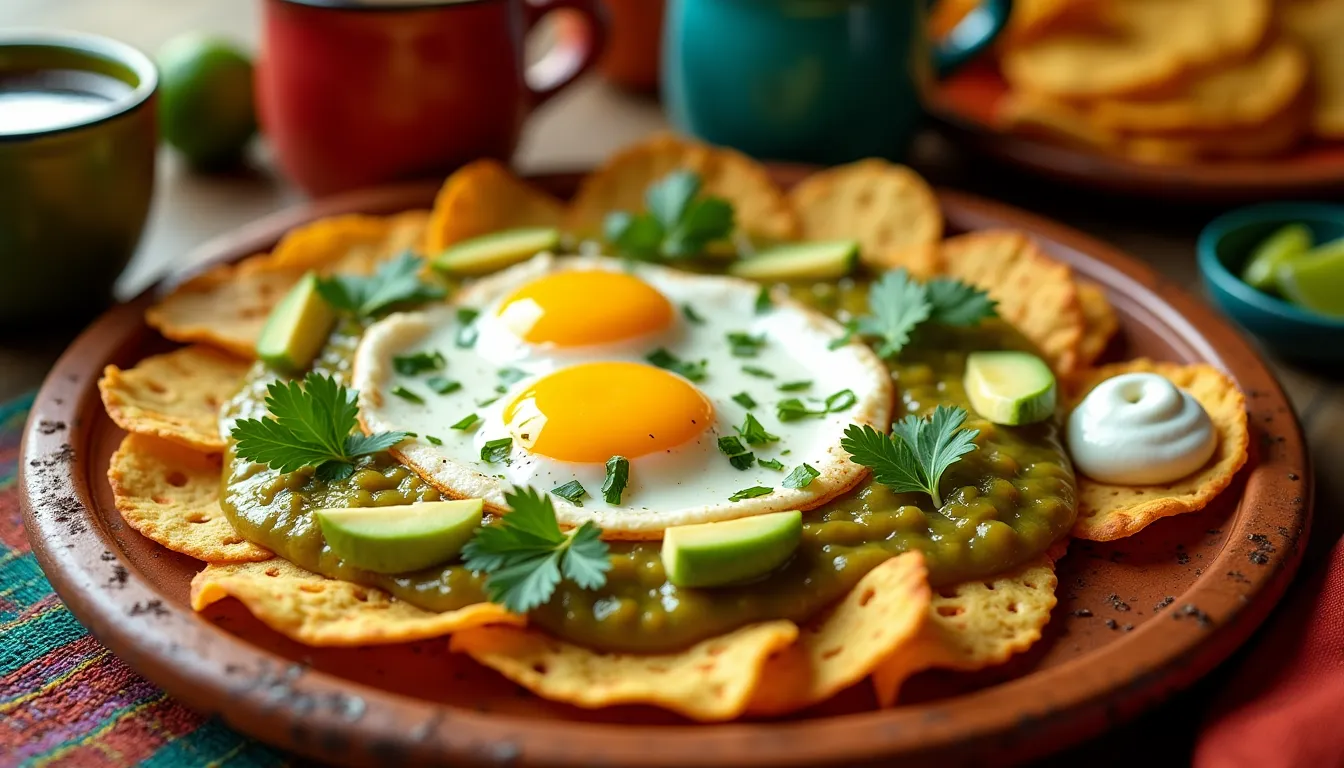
353, 93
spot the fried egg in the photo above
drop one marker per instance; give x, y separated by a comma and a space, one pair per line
561, 363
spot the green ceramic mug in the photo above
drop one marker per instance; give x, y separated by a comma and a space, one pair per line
825, 81
77, 146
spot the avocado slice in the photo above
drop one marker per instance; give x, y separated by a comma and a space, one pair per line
718, 554
402, 538
1010, 387
800, 261
297, 328
495, 251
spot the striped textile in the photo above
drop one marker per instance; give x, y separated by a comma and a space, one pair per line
64, 699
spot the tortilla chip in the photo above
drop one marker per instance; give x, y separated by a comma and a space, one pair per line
1099, 322
1319, 26
883, 613
314, 610
227, 306
174, 396
888, 208
1035, 293
1107, 512
1042, 117
484, 197
761, 209
1147, 45
1242, 95
711, 680
170, 494
976, 624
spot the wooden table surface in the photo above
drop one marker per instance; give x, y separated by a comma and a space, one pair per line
581, 127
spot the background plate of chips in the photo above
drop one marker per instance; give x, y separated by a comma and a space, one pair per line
1136, 619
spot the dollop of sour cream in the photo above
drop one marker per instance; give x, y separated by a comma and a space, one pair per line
1140, 429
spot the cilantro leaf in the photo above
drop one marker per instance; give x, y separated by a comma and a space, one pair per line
573, 492
898, 304
705, 221
744, 344
395, 283
758, 372
668, 199
738, 456
678, 222
692, 370
635, 237
774, 464
751, 493
793, 409
755, 434
691, 315
310, 426
745, 400
917, 453
525, 556
801, 476
764, 302
420, 362
618, 475
956, 303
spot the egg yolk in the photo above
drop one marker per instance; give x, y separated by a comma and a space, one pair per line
591, 412
578, 308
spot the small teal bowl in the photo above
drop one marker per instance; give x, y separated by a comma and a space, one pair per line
1286, 330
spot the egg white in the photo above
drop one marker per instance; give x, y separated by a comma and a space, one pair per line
690, 483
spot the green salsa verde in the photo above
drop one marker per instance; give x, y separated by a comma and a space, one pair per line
1005, 504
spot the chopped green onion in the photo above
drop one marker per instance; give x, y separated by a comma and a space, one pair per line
774, 464
573, 492
495, 451
467, 331
759, 373
433, 440
466, 422
408, 395
692, 315
420, 362
795, 386
443, 385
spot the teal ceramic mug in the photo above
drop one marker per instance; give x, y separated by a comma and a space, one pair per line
824, 81
77, 146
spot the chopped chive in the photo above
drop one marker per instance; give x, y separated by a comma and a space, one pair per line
851, 328
486, 401
408, 395
433, 440
694, 371
774, 464
420, 362
466, 422
573, 492
467, 331
759, 373
495, 451
692, 315
841, 401
795, 386
801, 476
618, 475
744, 344
755, 434
738, 456
744, 400
510, 376
751, 493
794, 409
443, 385
763, 301
411, 434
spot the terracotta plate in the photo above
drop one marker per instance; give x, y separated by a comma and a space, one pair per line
1136, 620
967, 103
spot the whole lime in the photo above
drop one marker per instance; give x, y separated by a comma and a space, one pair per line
205, 100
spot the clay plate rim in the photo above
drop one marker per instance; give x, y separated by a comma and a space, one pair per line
214, 671
962, 105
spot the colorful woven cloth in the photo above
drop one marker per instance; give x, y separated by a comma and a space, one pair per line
64, 699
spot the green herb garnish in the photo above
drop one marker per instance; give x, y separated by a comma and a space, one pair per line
497, 450
958, 303
759, 373
692, 315
744, 400
738, 455
433, 440
764, 303
420, 362
573, 492
396, 283
897, 305
693, 371
526, 555
914, 457
510, 376
801, 476
793, 409
774, 464
408, 395
466, 327
795, 386
745, 345
678, 223
755, 434
442, 385
310, 426
618, 475
751, 493
466, 422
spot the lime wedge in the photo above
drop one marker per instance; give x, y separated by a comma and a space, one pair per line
1315, 280
1010, 387
1286, 242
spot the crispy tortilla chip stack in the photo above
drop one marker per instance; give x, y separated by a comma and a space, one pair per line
1173, 81
166, 475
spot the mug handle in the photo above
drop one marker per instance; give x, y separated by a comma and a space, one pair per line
572, 55
971, 35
